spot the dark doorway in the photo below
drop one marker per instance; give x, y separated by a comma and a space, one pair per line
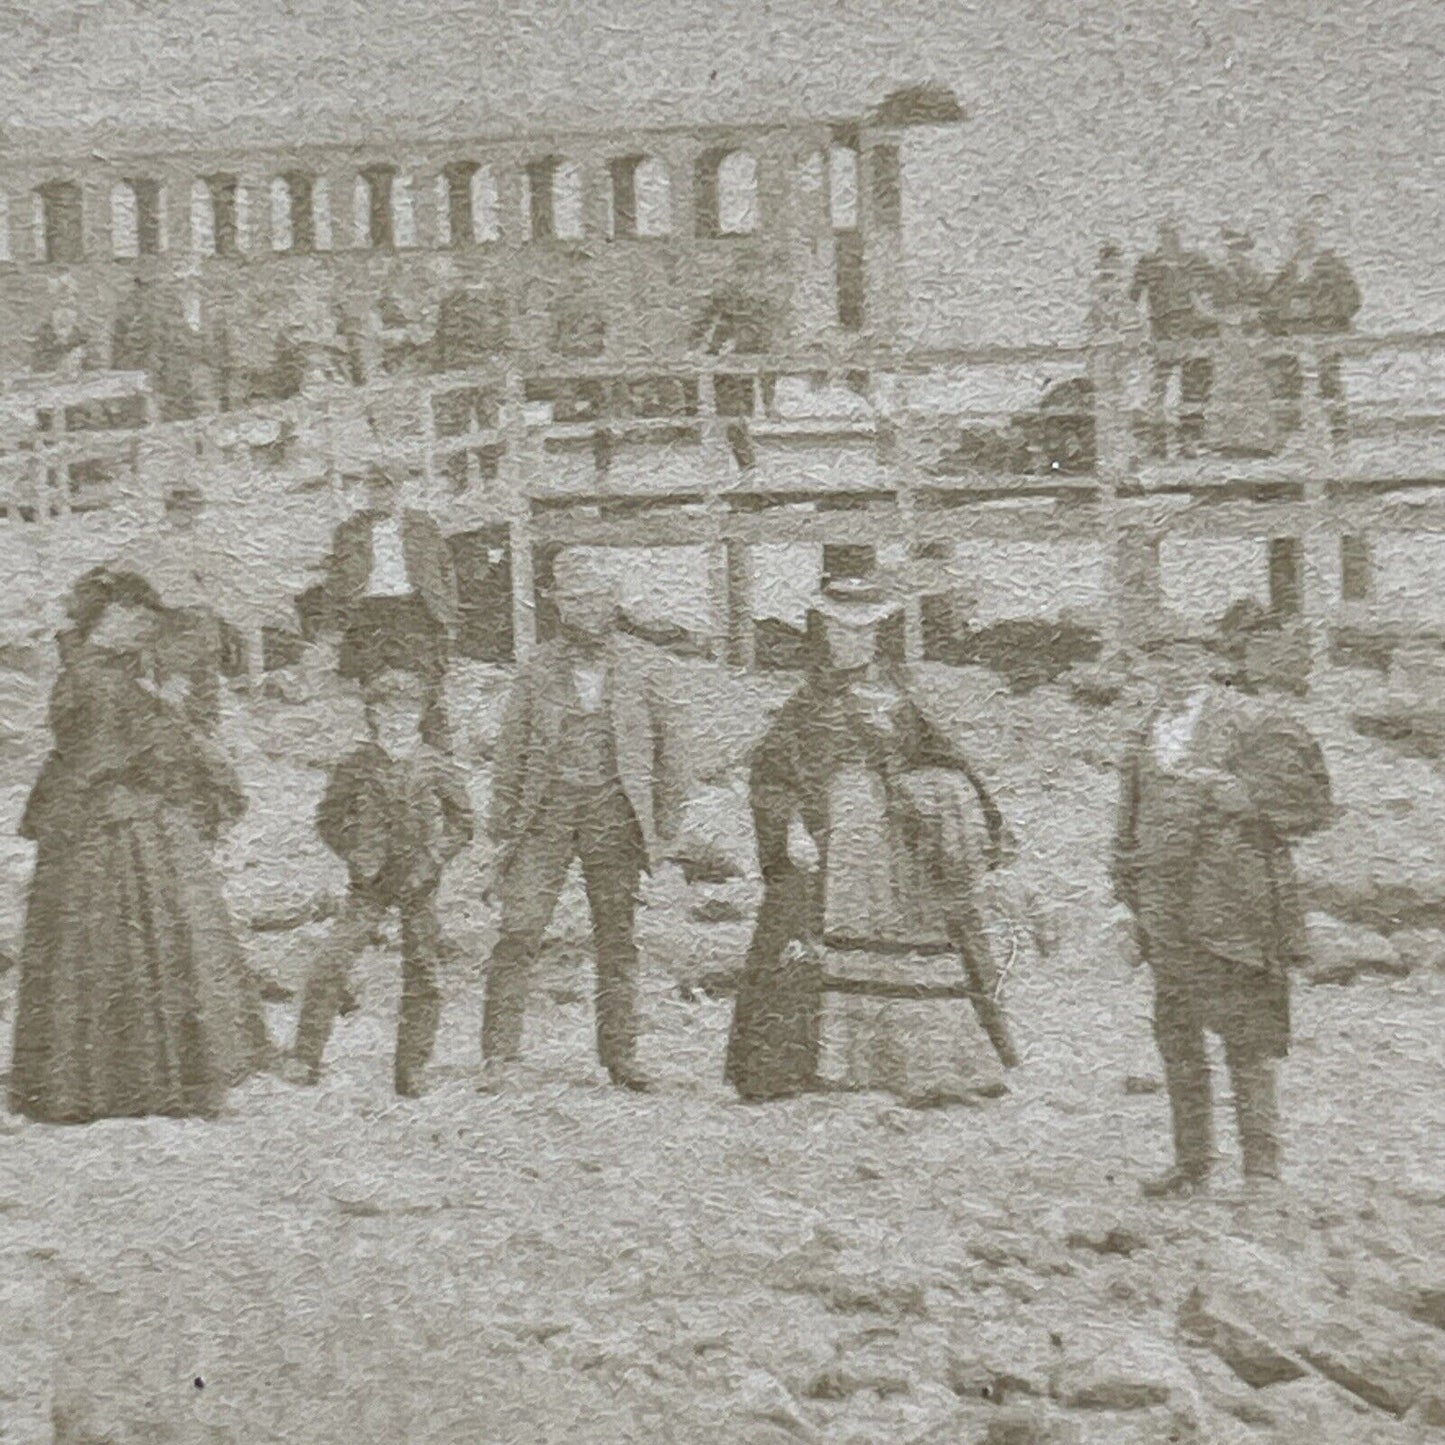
483, 561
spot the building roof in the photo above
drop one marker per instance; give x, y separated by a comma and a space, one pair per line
234, 74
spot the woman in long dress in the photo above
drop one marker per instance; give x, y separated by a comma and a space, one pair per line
134, 998
1239, 418
870, 943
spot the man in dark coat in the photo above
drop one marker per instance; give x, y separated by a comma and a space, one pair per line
589, 765
1314, 295
391, 589
1215, 791
1171, 279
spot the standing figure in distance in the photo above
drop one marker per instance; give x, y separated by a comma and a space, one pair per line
1314, 295
392, 589
1240, 418
589, 765
61, 344
1169, 279
396, 812
1215, 791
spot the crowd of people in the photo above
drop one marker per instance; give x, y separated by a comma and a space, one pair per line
1217, 345
875, 834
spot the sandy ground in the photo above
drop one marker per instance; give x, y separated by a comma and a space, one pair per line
570, 1263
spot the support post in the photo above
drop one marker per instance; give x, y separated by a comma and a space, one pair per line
524, 589
1137, 588
738, 562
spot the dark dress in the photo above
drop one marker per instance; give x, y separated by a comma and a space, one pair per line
873, 913
134, 998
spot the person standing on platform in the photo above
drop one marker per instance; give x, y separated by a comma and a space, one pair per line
1216, 790
589, 765
62, 346
391, 590
1169, 279
1240, 420
1314, 295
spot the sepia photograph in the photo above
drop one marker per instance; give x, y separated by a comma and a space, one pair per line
722, 724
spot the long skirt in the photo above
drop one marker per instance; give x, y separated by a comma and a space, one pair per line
134, 997
929, 1050
885, 933
1239, 416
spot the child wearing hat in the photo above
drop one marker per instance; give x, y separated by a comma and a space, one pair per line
396, 812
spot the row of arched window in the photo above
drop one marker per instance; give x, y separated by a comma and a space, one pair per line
301, 214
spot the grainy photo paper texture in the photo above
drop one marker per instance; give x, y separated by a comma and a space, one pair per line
722, 724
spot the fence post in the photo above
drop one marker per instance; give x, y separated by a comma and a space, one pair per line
1133, 546
513, 473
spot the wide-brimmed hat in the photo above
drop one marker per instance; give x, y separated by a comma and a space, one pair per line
857, 601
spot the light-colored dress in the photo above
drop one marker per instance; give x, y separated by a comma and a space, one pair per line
1239, 415
885, 929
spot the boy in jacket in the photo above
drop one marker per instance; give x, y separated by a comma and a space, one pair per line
396, 812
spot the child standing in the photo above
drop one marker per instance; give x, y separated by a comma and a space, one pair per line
396, 812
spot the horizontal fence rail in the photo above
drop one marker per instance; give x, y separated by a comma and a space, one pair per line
914, 450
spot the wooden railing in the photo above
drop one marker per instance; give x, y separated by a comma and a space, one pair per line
66, 446
727, 452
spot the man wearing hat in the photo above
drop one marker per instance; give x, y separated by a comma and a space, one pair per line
1315, 295
589, 765
1171, 281
391, 588
1216, 789
396, 812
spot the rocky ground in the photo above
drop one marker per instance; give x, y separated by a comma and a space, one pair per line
569, 1263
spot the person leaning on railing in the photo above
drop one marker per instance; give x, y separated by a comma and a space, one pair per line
1314, 295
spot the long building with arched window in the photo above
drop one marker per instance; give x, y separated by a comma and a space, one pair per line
618, 243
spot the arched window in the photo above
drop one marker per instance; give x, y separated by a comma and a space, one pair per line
293, 212
137, 217
727, 193
641, 197
843, 188
280, 215
403, 209
59, 222
321, 213
124, 231
203, 222
466, 205
554, 199
486, 223
216, 205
